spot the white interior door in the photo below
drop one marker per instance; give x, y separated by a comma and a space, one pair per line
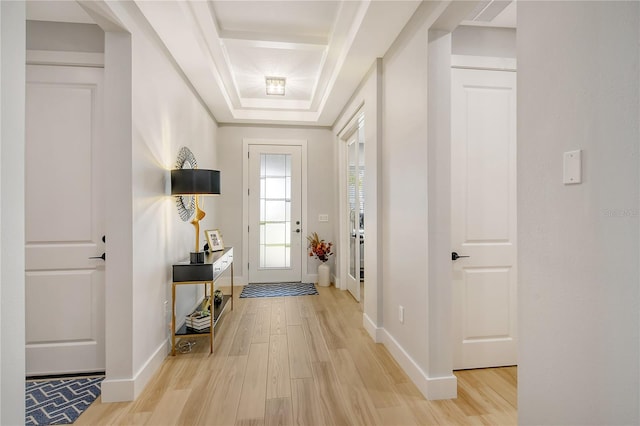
64, 223
483, 205
355, 206
275, 213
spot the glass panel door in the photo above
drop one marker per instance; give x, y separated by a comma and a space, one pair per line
275, 230
355, 204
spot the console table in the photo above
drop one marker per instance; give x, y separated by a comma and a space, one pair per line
215, 263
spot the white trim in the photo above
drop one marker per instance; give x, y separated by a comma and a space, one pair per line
483, 62
336, 281
71, 59
245, 202
432, 388
122, 390
374, 331
343, 225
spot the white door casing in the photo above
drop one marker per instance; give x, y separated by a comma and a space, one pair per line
275, 224
354, 202
64, 222
483, 209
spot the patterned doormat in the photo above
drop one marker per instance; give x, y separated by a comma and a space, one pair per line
60, 401
278, 290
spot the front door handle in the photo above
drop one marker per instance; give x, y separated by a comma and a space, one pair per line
456, 256
103, 256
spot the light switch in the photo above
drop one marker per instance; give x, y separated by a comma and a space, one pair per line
323, 218
572, 162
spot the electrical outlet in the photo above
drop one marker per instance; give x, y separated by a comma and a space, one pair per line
401, 314
166, 308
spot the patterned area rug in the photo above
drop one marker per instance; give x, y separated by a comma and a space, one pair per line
60, 401
278, 290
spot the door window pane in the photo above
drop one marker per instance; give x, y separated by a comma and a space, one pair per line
275, 210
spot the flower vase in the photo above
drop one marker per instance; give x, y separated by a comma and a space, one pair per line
323, 275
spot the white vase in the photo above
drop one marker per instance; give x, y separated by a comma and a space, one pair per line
323, 275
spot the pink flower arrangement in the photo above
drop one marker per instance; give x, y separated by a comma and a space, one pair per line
319, 248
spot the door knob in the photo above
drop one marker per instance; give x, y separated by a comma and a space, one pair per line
456, 256
298, 230
103, 257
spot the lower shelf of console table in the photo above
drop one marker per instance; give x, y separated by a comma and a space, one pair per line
185, 331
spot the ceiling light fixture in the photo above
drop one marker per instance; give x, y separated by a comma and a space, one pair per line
275, 85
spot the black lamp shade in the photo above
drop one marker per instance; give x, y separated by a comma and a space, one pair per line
195, 181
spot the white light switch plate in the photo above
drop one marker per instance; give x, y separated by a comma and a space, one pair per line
572, 166
323, 218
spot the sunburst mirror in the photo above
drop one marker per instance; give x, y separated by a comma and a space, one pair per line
186, 203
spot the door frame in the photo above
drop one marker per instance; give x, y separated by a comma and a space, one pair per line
302, 143
343, 219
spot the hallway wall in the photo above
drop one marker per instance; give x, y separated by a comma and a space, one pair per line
12, 145
578, 88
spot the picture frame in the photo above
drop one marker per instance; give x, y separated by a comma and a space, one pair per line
214, 239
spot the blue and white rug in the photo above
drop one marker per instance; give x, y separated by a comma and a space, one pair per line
60, 401
278, 290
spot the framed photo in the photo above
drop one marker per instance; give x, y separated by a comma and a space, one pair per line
214, 239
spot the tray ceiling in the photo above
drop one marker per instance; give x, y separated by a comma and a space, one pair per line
323, 48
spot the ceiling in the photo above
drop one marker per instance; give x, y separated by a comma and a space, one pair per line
227, 48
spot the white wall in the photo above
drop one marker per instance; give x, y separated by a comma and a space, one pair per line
165, 115
12, 122
484, 41
404, 191
62, 36
321, 190
368, 97
578, 88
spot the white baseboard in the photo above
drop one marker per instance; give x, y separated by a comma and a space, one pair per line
432, 388
336, 282
371, 328
122, 390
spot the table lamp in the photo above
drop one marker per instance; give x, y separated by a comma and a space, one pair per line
195, 182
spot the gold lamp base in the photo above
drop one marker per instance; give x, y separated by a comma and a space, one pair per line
197, 256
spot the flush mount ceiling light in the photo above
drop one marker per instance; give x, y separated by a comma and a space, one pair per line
275, 85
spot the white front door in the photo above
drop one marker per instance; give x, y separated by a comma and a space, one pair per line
275, 213
355, 206
483, 205
64, 222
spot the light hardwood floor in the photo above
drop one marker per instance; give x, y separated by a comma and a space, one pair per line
304, 361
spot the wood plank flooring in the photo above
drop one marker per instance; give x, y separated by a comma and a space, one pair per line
302, 361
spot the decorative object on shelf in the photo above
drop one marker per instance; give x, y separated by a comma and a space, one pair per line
217, 297
321, 250
214, 239
199, 320
187, 183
